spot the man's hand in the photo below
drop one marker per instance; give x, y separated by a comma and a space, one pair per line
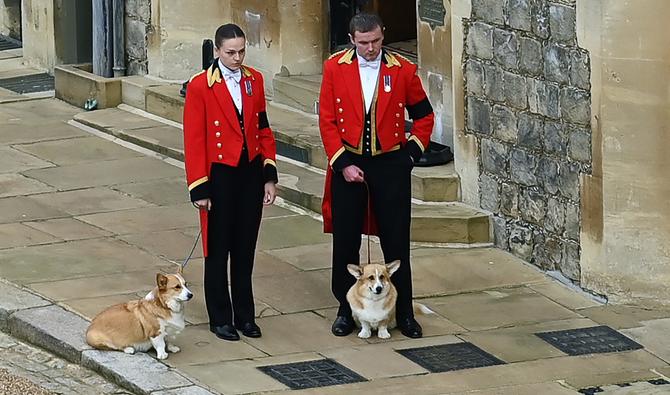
204, 204
353, 173
270, 193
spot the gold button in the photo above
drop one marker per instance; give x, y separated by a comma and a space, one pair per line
397, 115
218, 134
256, 148
396, 134
400, 105
340, 110
218, 145
220, 157
338, 100
341, 119
256, 114
396, 125
258, 126
342, 130
256, 136
216, 123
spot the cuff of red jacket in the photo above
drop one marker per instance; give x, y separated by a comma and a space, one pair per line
414, 148
199, 189
270, 171
340, 160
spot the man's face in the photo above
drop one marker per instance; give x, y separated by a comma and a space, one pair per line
231, 52
368, 44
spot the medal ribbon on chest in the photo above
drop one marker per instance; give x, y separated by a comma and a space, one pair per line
387, 83
247, 85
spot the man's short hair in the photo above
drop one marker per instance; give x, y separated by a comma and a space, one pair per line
227, 31
365, 22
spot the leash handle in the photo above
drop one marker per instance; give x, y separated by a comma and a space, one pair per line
369, 215
190, 254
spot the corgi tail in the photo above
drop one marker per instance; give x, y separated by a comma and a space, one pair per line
421, 309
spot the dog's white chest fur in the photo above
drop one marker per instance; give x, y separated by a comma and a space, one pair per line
373, 312
174, 325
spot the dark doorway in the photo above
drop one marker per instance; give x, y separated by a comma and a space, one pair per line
73, 30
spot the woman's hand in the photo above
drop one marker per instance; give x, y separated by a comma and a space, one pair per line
270, 193
203, 204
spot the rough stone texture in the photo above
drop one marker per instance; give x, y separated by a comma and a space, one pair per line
52, 328
14, 299
139, 9
528, 106
192, 390
140, 372
137, 25
504, 123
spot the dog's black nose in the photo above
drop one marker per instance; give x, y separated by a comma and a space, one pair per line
189, 296
378, 290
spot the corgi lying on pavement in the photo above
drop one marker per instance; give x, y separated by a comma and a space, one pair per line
372, 298
141, 324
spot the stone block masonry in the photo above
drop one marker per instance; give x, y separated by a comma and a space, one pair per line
528, 101
138, 25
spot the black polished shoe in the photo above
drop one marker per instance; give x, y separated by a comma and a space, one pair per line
410, 328
343, 326
225, 332
249, 329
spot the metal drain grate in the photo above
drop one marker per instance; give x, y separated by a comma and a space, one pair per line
640, 387
29, 83
8, 43
311, 374
594, 340
448, 357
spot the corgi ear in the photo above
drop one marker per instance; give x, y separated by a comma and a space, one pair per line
355, 271
161, 281
393, 266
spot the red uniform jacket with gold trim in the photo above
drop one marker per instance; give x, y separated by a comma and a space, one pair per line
341, 112
212, 132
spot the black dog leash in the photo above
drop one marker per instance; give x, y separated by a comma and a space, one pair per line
183, 265
369, 215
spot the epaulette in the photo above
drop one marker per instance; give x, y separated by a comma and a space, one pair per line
403, 58
247, 71
347, 57
336, 54
196, 74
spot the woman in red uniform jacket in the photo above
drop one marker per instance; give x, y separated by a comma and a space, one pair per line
231, 173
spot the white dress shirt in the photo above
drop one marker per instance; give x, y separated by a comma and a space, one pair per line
232, 79
369, 72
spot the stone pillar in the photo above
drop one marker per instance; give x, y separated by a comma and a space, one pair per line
304, 40
37, 26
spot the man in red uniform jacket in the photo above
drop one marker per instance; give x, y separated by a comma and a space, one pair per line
231, 172
364, 94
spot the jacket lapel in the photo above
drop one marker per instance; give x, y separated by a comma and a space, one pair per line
223, 98
352, 80
248, 91
388, 80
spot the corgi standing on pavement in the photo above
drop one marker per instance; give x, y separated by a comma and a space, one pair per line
139, 325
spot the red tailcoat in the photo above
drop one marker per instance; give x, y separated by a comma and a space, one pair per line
341, 113
213, 134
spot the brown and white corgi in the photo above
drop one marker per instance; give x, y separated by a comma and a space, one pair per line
372, 298
139, 325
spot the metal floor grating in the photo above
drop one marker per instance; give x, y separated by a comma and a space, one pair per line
593, 340
639, 387
29, 83
8, 43
311, 374
448, 357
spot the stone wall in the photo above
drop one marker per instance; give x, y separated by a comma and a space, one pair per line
138, 25
10, 18
527, 105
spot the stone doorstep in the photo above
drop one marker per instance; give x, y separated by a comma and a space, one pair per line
297, 91
40, 322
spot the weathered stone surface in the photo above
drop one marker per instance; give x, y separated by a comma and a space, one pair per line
539, 18
554, 250
504, 123
136, 35
191, 390
556, 63
515, 90
570, 263
562, 23
576, 105
530, 129
52, 328
474, 75
543, 98
494, 157
140, 372
509, 199
522, 167
518, 12
492, 11
13, 299
505, 48
521, 241
479, 116
532, 206
480, 41
568, 180
139, 9
500, 235
490, 193
580, 144
572, 221
548, 174
580, 69
554, 139
531, 57
554, 221
493, 79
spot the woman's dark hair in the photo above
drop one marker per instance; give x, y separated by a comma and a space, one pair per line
364, 23
227, 31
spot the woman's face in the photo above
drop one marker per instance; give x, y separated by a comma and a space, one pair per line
231, 52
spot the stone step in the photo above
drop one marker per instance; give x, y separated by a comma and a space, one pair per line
301, 184
301, 92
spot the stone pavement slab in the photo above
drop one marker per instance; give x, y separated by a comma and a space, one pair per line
13, 299
526, 389
173, 245
161, 192
145, 219
18, 209
622, 316
308, 291
68, 229
190, 390
13, 160
77, 150
14, 130
89, 307
289, 232
567, 297
13, 184
653, 335
20, 235
90, 200
319, 256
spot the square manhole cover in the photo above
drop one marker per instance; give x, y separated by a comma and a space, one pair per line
29, 83
311, 374
448, 357
8, 43
594, 340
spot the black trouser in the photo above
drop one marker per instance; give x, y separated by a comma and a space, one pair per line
388, 176
233, 223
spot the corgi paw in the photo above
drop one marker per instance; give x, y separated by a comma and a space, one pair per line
162, 355
383, 334
172, 348
129, 350
364, 334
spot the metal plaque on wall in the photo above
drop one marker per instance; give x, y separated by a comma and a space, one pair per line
432, 11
